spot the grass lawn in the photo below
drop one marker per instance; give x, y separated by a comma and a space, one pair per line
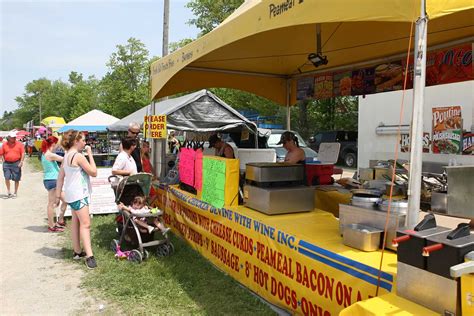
181, 284
34, 162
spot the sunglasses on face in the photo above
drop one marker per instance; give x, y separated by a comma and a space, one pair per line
134, 133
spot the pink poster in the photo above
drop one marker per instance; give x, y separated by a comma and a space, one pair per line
186, 166
198, 170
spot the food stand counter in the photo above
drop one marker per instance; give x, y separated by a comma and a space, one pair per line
295, 261
388, 304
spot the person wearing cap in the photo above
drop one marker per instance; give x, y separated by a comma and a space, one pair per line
290, 142
133, 131
173, 143
222, 148
12, 153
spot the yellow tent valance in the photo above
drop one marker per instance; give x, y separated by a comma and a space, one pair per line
265, 43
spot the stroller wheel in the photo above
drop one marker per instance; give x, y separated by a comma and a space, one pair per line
163, 250
135, 256
146, 254
171, 248
114, 245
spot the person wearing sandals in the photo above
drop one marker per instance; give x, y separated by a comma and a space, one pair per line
49, 161
74, 175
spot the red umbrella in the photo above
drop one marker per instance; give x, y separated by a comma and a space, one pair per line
21, 134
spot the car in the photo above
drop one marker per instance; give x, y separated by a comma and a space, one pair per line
274, 136
347, 139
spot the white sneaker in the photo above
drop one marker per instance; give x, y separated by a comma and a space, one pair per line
13, 196
150, 229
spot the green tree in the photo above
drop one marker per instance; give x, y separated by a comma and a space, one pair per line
6, 122
125, 85
55, 100
31, 101
310, 116
84, 95
174, 46
241, 100
210, 13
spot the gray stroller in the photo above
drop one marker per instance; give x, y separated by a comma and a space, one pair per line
130, 235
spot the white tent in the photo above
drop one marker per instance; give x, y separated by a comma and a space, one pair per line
93, 121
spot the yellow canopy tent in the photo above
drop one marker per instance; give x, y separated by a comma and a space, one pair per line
54, 122
263, 46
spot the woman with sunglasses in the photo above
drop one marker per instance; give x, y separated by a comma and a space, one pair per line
290, 142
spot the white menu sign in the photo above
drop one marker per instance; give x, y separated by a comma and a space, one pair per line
102, 199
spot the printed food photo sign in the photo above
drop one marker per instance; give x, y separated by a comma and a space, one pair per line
342, 83
388, 77
323, 86
447, 130
405, 142
468, 143
305, 88
449, 65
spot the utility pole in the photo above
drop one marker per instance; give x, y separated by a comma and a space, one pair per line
40, 104
159, 145
166, 25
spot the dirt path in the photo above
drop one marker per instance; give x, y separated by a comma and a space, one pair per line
35, 279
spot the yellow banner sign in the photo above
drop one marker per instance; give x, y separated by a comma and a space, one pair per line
290, 262
154, 126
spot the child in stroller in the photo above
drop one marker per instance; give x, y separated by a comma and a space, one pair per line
132, 226
138, 208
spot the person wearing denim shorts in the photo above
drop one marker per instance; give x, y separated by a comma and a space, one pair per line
74, 175
12, 153
49, 161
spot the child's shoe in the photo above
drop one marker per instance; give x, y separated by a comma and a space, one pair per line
151, 229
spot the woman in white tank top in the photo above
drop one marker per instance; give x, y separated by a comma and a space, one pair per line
74, 175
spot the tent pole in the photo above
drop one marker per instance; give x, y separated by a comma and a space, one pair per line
256, 136
288, 113
159, 145
416, 138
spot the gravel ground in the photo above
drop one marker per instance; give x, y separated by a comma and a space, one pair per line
35, 278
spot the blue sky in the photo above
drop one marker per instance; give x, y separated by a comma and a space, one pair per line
52, 38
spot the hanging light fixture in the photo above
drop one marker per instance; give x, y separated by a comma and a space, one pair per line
318, 59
